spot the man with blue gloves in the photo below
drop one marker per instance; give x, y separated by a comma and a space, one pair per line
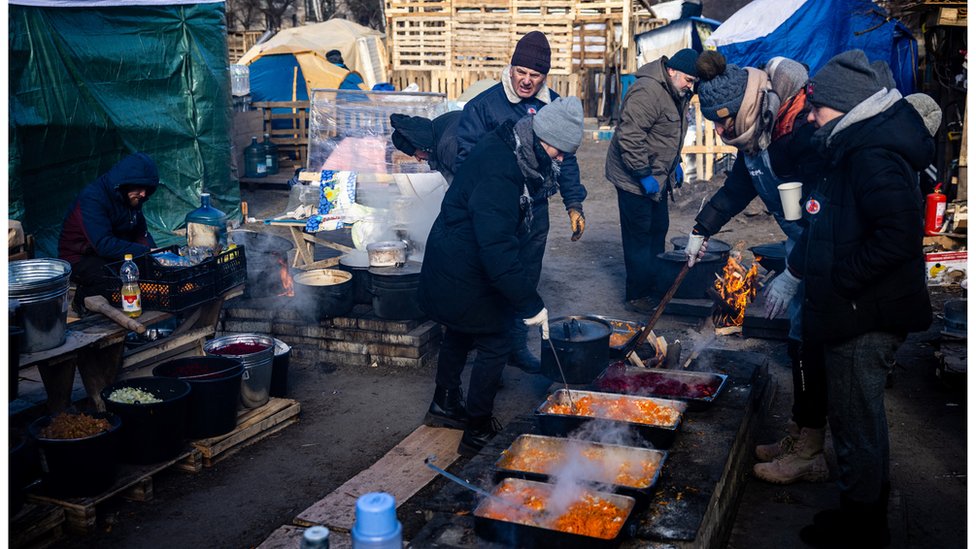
644, 164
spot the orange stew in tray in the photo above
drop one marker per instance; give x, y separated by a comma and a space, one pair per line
605, 464
623, 408
590, 515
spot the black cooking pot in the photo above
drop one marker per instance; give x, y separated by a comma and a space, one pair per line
700, 277
356, 263
323, 293
394, 291
715, 246
771, 256
582, 344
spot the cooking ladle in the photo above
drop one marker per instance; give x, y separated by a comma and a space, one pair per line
476, 489
555, 356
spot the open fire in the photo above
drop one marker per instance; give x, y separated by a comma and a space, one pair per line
286, 281
736, 289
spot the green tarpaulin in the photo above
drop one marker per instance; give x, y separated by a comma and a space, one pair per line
89, 85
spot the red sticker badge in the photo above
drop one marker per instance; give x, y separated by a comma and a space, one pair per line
813, 206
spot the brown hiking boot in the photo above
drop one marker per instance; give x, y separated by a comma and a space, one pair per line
804, 461
769, 452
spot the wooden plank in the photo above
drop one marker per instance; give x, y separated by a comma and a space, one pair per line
250, 424
400, 473
36, 526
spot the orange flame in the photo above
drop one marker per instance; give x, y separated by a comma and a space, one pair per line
286, 281
738, 288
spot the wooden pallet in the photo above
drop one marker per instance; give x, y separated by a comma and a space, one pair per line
472, 7
36, 525
133, 482
252, 426
420, 42
543, 8
417, 8
559, 32
481, 41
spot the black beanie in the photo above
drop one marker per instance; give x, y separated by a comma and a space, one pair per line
533, 53
412, 133
847, 80
684, 61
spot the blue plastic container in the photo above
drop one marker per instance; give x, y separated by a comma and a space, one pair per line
376, 525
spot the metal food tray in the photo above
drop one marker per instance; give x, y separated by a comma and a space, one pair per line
661, 436
628, 380
610, 457
516, 534
623, 331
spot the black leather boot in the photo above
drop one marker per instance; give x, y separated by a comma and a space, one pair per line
447, 409
480, 430
521, 357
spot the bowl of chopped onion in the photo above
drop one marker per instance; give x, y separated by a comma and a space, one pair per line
153, 412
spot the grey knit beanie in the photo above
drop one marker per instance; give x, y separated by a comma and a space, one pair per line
847, 80
721, 87
928, 109
786, 76
560, 124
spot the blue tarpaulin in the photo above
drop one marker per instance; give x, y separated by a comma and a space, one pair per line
813, 31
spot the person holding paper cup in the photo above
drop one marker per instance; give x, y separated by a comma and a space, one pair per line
763, 113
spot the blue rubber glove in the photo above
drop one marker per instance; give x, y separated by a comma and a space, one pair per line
679, 176
650, 184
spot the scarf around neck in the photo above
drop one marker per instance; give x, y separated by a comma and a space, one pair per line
513, 97
536, 174
754, 121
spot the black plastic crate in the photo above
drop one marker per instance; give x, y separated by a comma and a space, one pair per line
170, 289
231, 269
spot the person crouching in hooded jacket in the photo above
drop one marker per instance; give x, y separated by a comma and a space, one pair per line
432, 140
106, 222
472, 280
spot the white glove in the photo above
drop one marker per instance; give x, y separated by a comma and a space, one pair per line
779, 293
540, 319
695, 250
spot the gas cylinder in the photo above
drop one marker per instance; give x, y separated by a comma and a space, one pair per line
935, 207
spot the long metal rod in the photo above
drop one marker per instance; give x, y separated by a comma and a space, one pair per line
569, 394
477, 489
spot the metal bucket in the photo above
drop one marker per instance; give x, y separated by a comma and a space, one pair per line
256, 352
40, 286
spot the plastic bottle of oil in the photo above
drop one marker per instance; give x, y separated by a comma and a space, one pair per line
131, 295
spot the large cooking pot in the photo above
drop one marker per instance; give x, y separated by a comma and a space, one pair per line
700, 277
265, 255
582, 344
715, 246
391, 253
394, 291
323, 293
771, 256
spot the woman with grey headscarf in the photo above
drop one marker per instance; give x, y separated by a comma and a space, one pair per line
763, 113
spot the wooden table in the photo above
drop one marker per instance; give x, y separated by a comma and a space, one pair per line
305, 245
96, 347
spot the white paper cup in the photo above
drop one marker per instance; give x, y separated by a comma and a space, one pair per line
790, 195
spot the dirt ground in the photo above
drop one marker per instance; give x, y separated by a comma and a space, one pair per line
352, 416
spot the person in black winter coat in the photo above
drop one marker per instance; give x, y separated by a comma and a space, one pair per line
860, 258
106, 222
523, 91
473, 279
432, 140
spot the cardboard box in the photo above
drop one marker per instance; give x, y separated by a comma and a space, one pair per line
944, 268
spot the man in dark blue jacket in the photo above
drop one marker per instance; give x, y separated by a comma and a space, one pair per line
523, 91
106, 222
473, 279
860, 259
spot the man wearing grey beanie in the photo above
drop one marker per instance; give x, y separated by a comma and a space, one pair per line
644, 165
861, 262
473, 279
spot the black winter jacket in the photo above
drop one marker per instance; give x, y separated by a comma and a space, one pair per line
472, 280
861, 255
101, 222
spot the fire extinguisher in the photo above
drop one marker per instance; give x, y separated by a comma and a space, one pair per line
935, 207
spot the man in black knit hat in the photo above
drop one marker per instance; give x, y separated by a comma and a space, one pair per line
523, 91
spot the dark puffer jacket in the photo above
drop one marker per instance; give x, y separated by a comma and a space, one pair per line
472, 280
651, 131
101, 222
861, 255
488, 110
